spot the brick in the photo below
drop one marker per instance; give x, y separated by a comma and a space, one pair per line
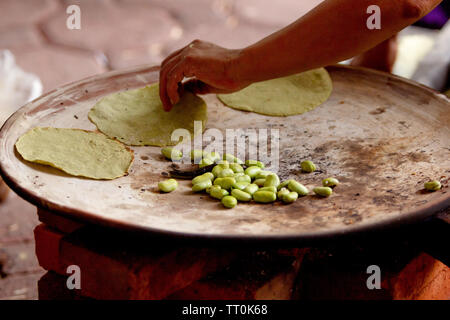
57, 66
48, 248
52, 286
57, 222
20, 287
266, 276
16, 13
18, 259
272, 13
424, 278
114, 268
106, 27
17, 220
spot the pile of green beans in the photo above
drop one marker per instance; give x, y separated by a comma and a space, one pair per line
232, 181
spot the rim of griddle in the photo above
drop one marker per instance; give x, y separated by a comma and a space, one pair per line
88, 217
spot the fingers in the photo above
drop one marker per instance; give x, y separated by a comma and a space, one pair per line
163, 73
199, 87
178, 72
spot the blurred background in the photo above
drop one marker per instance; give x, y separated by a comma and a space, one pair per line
39, 53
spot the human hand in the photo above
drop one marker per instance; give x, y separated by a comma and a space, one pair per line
212, 69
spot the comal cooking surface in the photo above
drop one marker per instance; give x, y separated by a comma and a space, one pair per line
380, 135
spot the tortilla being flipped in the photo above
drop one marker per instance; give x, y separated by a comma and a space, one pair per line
76, 152
137, 118
285, 96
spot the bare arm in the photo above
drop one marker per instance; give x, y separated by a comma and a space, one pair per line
333, 31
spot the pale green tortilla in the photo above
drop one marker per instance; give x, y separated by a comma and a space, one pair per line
136, 117
76, 152
285, 96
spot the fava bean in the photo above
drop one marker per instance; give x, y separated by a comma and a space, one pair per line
216, 170
232, 159
308, 166
259, 182
282, 192
433, 185
236, 167
323, 191
217, 192
223, 164
284, 184
297, 187
205, 176
251, 188
241, 195
250, 163
202, 185
196, 155
272, 180
205, 162
225, 183
290, 197
214, 156
240, 185
226, 173
271, 189
252, 171
171, 153
167, 185
330, 182
264, 196
229, 202
263, 174
243, 178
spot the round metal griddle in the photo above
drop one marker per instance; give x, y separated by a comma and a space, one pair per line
380, 135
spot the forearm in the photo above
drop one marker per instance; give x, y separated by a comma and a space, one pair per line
334, 31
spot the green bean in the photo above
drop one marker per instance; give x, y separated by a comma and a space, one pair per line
240, 185
252, 171
226, 173
231, 158
251, 188
205, 176
290, 197
272, 180
330, 182
284, 184
171, 153
229, 202
250, 163
323, 191
243, 178
225, 183
308, 166
433, 185
205, 162
298, 187
259, 182
216, 170
264, 196
282, 192
270, 188
196, 155
241, 195
236, 167
167, 185
202, 185
217, 192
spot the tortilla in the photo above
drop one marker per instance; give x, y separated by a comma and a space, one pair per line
136, 117
76, 152
285, 96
